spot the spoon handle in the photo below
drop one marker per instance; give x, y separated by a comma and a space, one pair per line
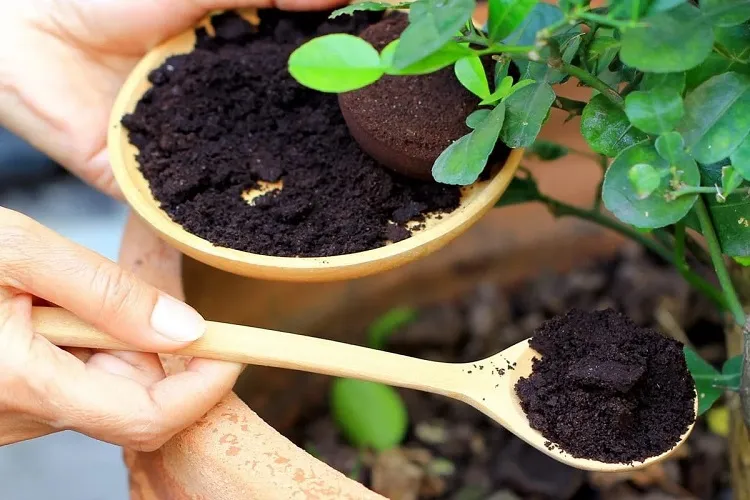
257, 346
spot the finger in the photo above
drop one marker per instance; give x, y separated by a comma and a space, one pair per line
139, 367
41, 262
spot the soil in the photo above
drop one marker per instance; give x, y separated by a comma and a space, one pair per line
227, 118
400, 120
607, 389
453, 452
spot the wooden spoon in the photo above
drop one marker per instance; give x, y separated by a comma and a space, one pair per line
476, 200
487, 385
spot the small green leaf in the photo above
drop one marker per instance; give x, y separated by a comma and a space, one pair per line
655, 211
520, 190
743, 261
645, 179
671, 147
569, 41
731, 217
477, 117
661, 44
541, 16
726, 12
741, 158
386, 325
716, 119
463, 161
367, 6
655, 111
673, 81
470, 72
501, 71
602, 50
546, 150
506, 15
663, 5
730, 180
432, 24
606, 127
441, 58
335, 63
714, 65
370, 415
731, 372
704, 376
527, 110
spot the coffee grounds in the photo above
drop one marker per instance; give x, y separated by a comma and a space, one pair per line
405, 111
228, 115
606, 389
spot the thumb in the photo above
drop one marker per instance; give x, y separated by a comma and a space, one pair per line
38, 261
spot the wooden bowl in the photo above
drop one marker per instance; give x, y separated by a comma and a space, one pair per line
476, 200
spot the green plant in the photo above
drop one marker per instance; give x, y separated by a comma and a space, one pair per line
669, 116
369, 414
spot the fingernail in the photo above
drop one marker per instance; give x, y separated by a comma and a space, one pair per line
177, 321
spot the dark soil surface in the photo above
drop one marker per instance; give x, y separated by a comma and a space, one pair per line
607, 389
228, 115
403, 117
453, 452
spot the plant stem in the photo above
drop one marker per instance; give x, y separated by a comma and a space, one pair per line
679, 245
560, 208
717, 257
703, 189
594, 82
745, 379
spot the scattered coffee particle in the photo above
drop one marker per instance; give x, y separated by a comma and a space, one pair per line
228, 115
606, 389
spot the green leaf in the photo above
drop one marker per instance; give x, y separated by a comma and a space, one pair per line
335, 63
734, 40
470, 72
602, 50
606, 127
626, 204
645, 179
370, 415
501, 71
541, 16
527, 110
715, 64
730, 180
671, 81
741, 158
546, 150
569, 41
477, 117
443, 57
367, 6
704, 376
463, 161
663, 5
503, 90
655, 111
743, 261
506, 15
726, 12
731, 372
716, 120
432, 24
520, 190
661, 46
671, 147
731, 218
386, 325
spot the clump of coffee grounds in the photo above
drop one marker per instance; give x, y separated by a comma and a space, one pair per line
606, 389
227, 115
405, 111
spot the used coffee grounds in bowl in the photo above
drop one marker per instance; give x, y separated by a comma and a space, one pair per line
228, 118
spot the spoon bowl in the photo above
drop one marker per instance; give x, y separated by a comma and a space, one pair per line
438, 231
487, 385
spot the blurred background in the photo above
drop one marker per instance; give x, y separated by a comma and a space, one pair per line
52, 467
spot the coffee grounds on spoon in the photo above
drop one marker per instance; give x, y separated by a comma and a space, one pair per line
606, 389
228, 115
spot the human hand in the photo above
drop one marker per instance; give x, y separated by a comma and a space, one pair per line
123, 398
64, 61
